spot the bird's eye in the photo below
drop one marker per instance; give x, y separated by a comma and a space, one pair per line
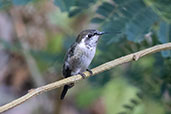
89, 35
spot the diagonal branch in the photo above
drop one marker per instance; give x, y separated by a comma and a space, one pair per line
76, 78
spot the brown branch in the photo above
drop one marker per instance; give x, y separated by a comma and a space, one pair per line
75, 78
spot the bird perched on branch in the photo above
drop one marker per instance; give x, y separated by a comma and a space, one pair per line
80, 55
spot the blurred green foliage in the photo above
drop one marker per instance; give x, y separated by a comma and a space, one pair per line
131, 18
73, 7
161, 7
164, 35
133, 25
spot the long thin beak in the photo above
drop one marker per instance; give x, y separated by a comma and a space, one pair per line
101, 33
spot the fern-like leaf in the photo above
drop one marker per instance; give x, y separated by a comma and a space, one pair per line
164, 35
73, 7
64, 5
162, 8
130, 17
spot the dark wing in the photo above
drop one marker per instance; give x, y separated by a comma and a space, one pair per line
66, 68
66, 71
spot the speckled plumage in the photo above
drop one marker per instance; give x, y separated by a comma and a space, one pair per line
80, 55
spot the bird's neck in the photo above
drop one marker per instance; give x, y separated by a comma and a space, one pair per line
87, 45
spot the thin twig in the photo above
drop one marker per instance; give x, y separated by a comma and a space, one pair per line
76, 78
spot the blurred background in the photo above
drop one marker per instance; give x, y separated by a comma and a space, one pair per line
35, 34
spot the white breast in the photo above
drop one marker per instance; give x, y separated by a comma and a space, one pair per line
87, 55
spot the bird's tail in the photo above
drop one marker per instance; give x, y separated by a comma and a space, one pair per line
66, 87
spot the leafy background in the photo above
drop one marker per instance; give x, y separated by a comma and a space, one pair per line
34, 57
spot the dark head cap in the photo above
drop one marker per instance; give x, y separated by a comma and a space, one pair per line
88, 33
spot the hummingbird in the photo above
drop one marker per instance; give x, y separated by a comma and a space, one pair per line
80, 55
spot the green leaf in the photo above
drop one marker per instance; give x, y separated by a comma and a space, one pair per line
162, 8
116, 94
4, 3
97, 20
105, 9
83, 3
164, 35
80, 5
21, 2
74, 12
64, 5
7, 3
73, 7
140, 24
131, 18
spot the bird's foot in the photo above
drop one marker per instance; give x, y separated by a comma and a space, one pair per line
91, 73
82, 74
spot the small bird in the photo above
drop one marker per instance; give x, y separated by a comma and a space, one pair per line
80, 55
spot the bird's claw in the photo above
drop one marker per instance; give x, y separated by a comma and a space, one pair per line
91, 73
83, 75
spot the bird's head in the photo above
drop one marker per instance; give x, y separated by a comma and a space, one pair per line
89, 37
